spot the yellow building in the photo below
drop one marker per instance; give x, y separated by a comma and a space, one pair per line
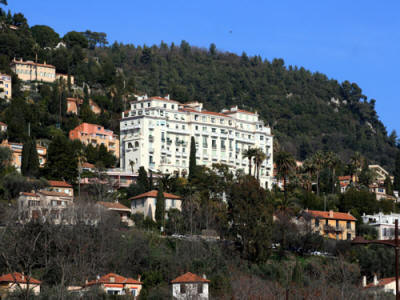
333, 225
31, 71
5, 86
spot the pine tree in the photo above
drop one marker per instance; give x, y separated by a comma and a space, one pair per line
160, 207
396, 174
192, 159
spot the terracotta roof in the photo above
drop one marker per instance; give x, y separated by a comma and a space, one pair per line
344, 184
58, 183
78, 100
32, 64
335, 215
3, 124
153, 194
113, 205
381, 282
18, 277
88, 165
344, 177
118, 279
52, 193
29, 194
189, 277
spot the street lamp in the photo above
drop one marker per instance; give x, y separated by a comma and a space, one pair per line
391, 243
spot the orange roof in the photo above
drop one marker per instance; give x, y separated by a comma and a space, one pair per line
32, 64
58, 183
29, 194
344, 184
88, 165
335, 215
113, 205
78, 100
118, 279
18, 277
153, 194
381, 282
52, 193
348, 177
3, 124
189, 277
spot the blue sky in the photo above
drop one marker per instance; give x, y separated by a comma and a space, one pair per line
357, 41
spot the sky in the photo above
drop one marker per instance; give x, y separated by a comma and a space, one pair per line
355, 40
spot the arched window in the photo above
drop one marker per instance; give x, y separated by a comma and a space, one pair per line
136, 144
130, 145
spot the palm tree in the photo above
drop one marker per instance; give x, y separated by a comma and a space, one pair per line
309, 169
332, 161
259, 157
356, 162
249, 154
285, 164
318, 161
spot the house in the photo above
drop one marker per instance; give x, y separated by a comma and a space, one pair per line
64, 77
113, 284
385, 285
96, 135
16, 149
190, 286
73, 105
16, 281
380, 174
380, 191
118, 208
384, 224
146, 203
32, 71
61, 187
333, 225
156, 132
5, 86
44, 205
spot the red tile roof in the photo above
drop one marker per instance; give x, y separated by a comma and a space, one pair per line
58, 183
189, 277
153, 194
29, 194
118, 279
335, 215
52, 193
381, 282
113, 205
32, 64
341, 178
18, 278
3, 124
88, 165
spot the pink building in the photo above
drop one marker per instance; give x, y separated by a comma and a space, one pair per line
96, 135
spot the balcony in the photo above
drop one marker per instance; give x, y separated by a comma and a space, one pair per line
329, 228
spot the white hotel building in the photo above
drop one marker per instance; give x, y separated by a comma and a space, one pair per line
156, 132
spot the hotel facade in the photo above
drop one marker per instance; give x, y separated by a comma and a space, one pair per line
156, 132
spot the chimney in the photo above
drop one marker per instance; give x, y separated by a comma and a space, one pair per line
375, 280
204, 276
139, 277
364, 281
330, 214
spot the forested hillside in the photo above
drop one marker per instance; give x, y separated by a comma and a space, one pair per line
306, 110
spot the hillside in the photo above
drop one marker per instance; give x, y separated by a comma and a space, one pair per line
306, 110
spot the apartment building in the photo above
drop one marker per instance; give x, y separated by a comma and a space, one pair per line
384, 224
156, 132
31, 71
16, 150
96, 135
5, 86
333, 225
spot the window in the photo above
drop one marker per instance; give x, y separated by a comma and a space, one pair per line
212, 120
214, 130
196, 117
173, 106
214, 144
316, 222
337, 223
183, 288
196, 127
165, 105
349, 236
199, 288
348, 225
148, 104
173, 203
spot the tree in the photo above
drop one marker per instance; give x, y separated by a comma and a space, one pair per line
62, 162
74, 38
259, 158
4, 2
30, 159
332, 162
318, 161
250, 214
45, 36
192, 159
396, 184
249, 154
160, 207
356, 162
143, 179
388, 185
285, 164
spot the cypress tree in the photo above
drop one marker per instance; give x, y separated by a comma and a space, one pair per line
192, 159
25, 157
396, 184
160, 207
30, 159
34, 160
143, 180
